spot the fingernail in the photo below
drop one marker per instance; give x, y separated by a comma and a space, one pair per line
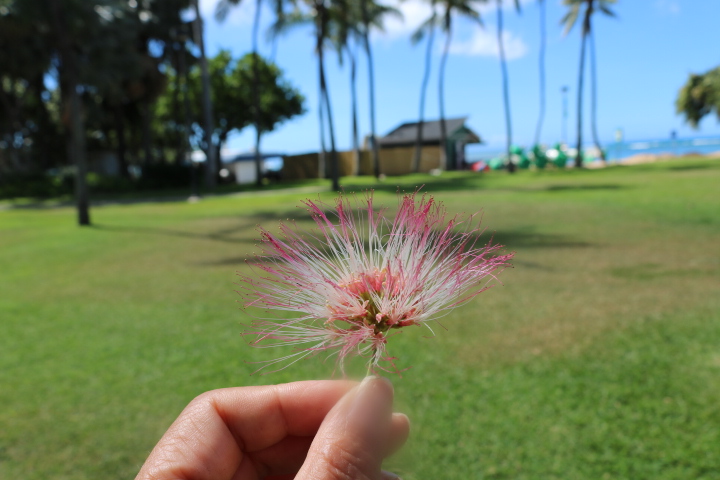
372, 400
372, 383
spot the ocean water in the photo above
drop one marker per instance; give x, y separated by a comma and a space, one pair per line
620, 150
680, 146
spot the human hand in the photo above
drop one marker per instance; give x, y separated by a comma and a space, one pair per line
315, 430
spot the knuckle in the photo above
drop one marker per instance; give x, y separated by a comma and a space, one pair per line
347, 459
203, 403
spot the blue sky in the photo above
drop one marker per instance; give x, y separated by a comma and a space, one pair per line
643, 58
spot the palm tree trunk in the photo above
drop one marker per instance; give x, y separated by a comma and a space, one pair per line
334, 170
44, 123
119, 117
506, 93
76, 139
256, 95
77, 150
581, 75
212, 162
593, 88
148, 158
541, 71
441, 96
423, 90
176, 89
322, 157
353, 101
324, 95
187, 111
187, 119
371, 86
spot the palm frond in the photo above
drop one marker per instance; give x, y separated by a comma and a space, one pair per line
425, 27
287, 21
223, 8
468, 11
376, 15
570, 18
606, 10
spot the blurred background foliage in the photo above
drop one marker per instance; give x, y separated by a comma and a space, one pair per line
135, 69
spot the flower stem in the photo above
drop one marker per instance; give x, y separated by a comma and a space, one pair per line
370, 370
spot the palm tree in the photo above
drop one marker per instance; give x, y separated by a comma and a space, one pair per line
450, 7
353, 95
344, 37
322, 31
541, 71
372, 14
569, 20
593, 90
352, 30
506, 89
324, 15
427, 27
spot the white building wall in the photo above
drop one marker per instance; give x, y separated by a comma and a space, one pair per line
244, 172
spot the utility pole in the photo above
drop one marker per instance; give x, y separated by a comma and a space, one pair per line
211, 161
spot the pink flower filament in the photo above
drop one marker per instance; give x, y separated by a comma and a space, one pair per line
364, 276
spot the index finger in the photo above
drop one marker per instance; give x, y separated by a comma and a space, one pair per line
259, 417
211, 435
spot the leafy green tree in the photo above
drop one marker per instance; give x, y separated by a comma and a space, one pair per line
221, 11
233, 97
586, 9
97, 53
450, 8
700, 96
130, 94
27, 135
73, 33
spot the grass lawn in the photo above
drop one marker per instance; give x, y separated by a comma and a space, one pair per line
598, 357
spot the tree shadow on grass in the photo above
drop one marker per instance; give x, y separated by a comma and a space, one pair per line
221, 236
696, 166
403, 185
526, 238
587, 187
470, 183
226, 234
510, 240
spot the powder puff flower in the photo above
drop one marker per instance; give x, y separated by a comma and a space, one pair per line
361, 276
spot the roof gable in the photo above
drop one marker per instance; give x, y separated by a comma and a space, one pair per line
406, 133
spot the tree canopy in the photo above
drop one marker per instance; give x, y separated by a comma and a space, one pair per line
699, 97
231, 92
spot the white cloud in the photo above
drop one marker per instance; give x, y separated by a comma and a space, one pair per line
486, 8
671, 7
483, 42
414, 13
241, 14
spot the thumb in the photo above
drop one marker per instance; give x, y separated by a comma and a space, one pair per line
351, 442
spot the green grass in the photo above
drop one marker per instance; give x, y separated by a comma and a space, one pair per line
598, 357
